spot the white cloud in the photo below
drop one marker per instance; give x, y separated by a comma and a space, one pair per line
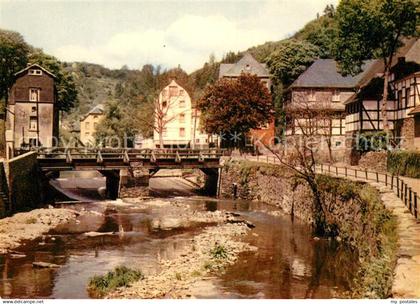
190, 39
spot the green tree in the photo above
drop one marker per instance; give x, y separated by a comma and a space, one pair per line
374, 29
290, 59
66, 88
116, 129
13, 57
321, 32
234, 107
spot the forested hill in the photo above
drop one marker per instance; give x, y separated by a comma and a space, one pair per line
130, 89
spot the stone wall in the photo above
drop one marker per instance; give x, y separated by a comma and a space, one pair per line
353, 212
24, 182
374, 161
406, 132
276, 185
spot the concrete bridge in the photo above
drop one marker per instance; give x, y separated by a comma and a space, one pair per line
111, 161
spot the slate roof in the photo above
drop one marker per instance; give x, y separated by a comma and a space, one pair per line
98, 110
247, 64
37, 66
323, 73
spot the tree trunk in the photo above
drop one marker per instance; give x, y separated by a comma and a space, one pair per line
384, 105
161, 138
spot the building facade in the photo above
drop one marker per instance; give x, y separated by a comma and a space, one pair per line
89, 124
32, 114
364, 110
315, 102
248, 64
177, 123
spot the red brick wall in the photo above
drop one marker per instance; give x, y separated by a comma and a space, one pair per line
265, 136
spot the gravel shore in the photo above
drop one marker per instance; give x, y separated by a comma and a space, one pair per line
26, 226
198, 261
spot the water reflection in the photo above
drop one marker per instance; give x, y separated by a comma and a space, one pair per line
288, 263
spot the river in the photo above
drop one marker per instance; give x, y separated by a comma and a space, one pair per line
289, 263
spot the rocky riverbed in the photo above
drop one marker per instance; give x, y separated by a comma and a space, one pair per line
27, 226
209, 253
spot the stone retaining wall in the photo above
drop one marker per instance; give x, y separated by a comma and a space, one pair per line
353, 212
24, 182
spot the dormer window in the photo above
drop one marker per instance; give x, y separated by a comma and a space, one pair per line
37, 72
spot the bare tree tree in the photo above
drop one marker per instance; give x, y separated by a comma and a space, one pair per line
158, 113
299, 152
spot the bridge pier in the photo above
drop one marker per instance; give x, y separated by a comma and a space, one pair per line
135, 182
112, 183
211, 182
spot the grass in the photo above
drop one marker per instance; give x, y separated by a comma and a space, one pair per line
121, 276
219, 252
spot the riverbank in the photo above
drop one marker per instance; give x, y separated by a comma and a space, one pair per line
28, 226
353, 212
209, 253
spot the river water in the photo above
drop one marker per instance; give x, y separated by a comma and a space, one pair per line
289, 263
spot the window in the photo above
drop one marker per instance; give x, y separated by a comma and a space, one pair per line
265, 83
34, 94
37, 72
173, 91
182, 103
338, 143
399, 105
87, 125
181, 118
407, 97
181, 92
336, 96
197, 141
33, 123
95, 116
311, 95
181, 132
164, 104
33, 110
248, 67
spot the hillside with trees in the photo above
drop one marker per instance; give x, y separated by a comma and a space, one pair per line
84, 85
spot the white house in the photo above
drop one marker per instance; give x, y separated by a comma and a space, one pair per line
177, 123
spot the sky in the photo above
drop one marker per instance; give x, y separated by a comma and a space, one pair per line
169, 33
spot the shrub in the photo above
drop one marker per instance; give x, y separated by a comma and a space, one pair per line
404, 163
373, 141
119, 277
219, 252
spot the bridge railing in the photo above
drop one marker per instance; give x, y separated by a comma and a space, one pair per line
128, 153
